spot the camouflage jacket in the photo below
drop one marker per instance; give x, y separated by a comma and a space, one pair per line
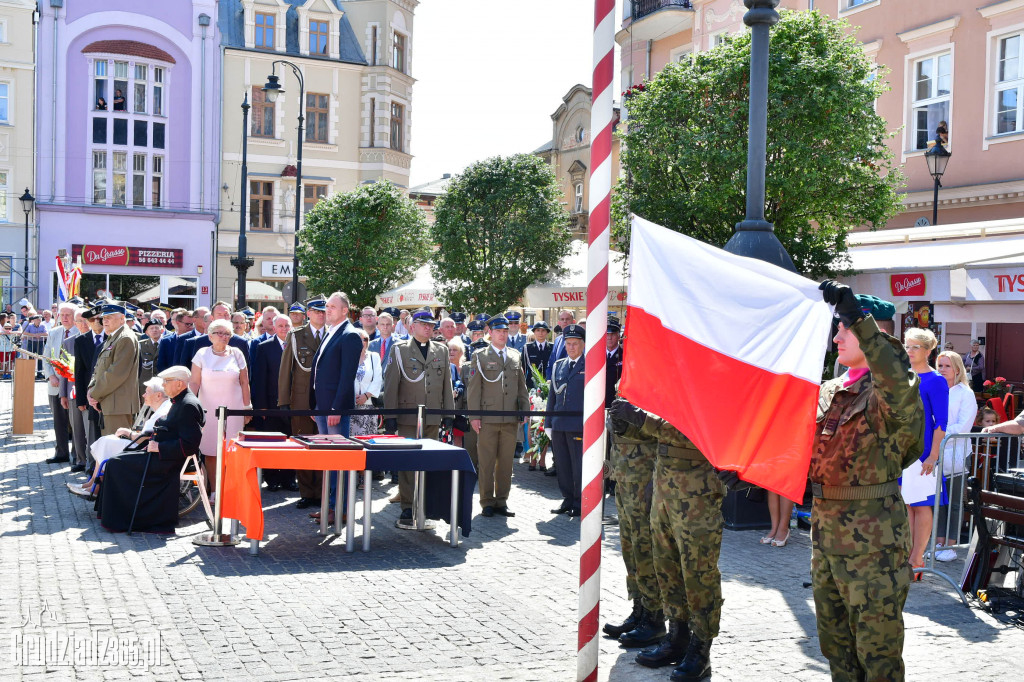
666, 434
866, 434
632, 456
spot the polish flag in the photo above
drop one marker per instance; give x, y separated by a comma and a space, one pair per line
729, 350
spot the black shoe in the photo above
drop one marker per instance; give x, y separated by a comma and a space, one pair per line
671, 650
58, 460
504, 511
573, 513
533, 467
632, 620
75, 468
696, 664
306, 503
273, 487
488, 511
563, 509
406, 515
650, 630
551, 472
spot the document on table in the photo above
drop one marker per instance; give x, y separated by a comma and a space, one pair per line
917, 488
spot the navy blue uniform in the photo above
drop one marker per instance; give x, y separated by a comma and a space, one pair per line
565, 394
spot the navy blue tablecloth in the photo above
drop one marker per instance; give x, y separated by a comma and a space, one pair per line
438, 460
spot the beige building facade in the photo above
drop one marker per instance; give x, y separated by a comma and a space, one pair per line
355, 57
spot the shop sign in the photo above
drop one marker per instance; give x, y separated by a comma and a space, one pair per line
134, 256
912, 285
276, 268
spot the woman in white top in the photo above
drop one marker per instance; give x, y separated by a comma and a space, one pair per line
369, 380
963, 408
220, 377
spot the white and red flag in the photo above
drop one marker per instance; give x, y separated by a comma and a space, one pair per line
729, 350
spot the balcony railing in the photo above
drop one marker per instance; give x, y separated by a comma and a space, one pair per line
641, 8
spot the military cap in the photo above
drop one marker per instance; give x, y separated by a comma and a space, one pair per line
458, 318
296, 308
478, 344
877, 308
574, 331
91, 312
483, 317
498, 323
160, 306
541, 324
77, 300
131, 307
475, 326
437, 325
319, 303
112, 308
613, 326
152, 323
424, 316
392, 311
512, 316
129, 315
247, 311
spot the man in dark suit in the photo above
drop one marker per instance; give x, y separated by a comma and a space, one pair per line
538, 353
220, 311
265, 372
385, 337
332, 383
167, 349
566, 395
87, 347
613, 353
189, 332
565, 318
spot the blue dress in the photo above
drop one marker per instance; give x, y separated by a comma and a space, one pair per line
935, 396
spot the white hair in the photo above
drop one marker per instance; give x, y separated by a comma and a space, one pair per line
220, 324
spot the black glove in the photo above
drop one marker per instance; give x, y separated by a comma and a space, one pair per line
623, 410
843, 298
616, 426
391, 425
732, 480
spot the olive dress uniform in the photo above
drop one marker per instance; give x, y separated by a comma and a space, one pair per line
293, 377
494, 384
413, 378
115, 380
867, 433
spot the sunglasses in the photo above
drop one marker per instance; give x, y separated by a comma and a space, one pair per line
913, 347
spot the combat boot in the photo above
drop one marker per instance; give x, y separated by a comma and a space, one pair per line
648, 631
672, 648
697, 663
614, 631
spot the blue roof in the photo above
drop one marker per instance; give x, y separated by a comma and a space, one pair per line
231, 21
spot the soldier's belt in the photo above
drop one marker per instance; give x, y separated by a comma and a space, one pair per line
680, 453
855, 492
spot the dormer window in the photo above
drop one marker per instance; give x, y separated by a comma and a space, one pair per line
398, 53
318, 37
265, 30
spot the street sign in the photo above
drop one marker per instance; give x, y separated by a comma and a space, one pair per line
287, 292
280, 269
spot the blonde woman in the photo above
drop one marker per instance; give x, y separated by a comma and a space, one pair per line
963, 409
919, 344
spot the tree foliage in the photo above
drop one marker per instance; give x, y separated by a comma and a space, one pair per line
501, 227
362, 242
828, 169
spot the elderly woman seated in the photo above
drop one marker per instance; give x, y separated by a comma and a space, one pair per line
145, 485
156, 404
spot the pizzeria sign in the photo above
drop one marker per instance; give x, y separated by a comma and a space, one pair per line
134, 256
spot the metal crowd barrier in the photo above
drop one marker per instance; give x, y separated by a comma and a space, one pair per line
981, 460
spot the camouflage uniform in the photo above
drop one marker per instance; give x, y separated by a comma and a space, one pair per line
632, 468
686, 530
866, 434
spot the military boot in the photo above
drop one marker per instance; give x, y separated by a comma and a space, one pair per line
648, 631
672, 648
631, 622
697, 663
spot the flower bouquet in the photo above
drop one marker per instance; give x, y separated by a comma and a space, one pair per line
64, 365
997, 388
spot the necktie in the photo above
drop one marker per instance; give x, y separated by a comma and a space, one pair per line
501, 354
66, 332
383, 348
99, 341
572, 366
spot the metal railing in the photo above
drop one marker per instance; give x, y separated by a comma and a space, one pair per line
641, 8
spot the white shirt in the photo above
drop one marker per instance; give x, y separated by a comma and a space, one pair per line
963, 408
161, 411
323, 344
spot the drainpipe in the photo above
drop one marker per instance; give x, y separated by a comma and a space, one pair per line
204, 22
55, 4
650, 43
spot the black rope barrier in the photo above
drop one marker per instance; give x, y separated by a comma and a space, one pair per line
394, 412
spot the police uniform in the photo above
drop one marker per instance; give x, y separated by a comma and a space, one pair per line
293, 379
471, 346
869, 428
494, 384
416, 374
613, 368
537, 356
297, 313
515, 338
565, 394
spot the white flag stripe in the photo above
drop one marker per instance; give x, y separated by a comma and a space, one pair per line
743, 308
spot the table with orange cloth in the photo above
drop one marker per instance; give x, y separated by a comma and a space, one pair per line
240, 489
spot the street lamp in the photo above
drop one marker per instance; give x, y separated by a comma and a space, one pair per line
754, 236
27, 200
273, 90
242, 262
937, 158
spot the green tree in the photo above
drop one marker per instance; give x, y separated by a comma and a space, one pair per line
362, 242
684, 152
501, 227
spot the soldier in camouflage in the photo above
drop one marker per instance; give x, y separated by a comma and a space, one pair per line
686, 532
870, 426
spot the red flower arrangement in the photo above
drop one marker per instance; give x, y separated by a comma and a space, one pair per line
633, 90
997, 388
64, 366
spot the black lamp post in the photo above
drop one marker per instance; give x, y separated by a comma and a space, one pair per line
273, 89
937, 158
754, 236
27, 201
242, 262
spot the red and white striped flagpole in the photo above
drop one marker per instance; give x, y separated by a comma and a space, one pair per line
601, 123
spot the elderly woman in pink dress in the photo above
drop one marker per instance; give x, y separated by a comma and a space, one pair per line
220, 377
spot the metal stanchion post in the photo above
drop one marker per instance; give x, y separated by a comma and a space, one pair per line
367, 481
339, 499
453, 513
420, 478
216, 538
350, 514
325, 501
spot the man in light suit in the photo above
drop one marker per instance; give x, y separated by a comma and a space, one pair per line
79, 429
64, 330
332, 383
565, 318
114, 387
566, 395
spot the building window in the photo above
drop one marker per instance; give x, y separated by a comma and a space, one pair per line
120, 85
373, 46
120, 177
262, 114
99, 177
158, 135
4, 102
1010, 85
398, 53
101, 103
157, 181
5, 192
121, 131
317, 37
158, 91
316, 115
373, 122
933, 85
580, 134
850, 4
311, 195
397, 117
141, 132
261, 204
141, 76
99, 130
139, 180
578, 203
265, 30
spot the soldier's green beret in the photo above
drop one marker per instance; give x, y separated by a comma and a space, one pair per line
877, 308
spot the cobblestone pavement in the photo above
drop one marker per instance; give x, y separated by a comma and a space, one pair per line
502, 606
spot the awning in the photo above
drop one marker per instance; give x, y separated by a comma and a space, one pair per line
419, 291
570, 289
260, 291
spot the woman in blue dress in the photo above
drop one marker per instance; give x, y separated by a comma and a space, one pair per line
935, 396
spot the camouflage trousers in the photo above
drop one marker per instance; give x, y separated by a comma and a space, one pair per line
633, 499
686, 530
859, 601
